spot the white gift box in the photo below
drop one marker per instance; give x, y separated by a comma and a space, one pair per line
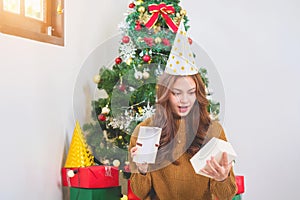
215, 147
147, 144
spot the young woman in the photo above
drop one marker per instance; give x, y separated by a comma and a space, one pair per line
181, 112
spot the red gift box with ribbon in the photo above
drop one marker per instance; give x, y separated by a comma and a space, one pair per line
90, 177
240, 184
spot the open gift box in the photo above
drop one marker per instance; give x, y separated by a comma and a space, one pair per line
90, 177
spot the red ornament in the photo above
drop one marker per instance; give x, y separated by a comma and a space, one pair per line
138, 27
146, 58
148, 41
125, 39
122, 87
131, 5
126, 168
118, 60
166, 42
190, 40
102, 117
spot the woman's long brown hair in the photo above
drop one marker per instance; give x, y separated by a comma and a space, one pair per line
197, 120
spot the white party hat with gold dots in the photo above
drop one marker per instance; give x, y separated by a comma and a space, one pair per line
181, 59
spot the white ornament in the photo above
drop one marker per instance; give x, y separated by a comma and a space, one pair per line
138, 75
131, 89
106, 162
147, 112
121, 121
116, 163
105, 110
158, 71
123, 26
127, 50
70, 173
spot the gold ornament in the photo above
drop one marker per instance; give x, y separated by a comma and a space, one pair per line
177, 19
141, 9
139, 2
183, 12
79, 154
146, 75
97, 78
128, 61
116, 163
156, 28
140, 109
144, 17
157, 40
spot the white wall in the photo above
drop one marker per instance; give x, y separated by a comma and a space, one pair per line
254, 45
36, 83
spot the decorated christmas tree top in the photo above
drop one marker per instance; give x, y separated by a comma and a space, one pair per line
148, 32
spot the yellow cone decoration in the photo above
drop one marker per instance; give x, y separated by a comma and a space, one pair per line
181, 59
79, 154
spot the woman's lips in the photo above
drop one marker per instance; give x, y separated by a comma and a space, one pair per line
183, 109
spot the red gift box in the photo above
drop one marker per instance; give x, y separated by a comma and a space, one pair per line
240, 184
91, 177
130, 194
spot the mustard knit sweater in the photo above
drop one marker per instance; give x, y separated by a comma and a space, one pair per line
179, 181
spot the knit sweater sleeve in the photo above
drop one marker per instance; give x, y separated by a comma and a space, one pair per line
140, 184
226, 189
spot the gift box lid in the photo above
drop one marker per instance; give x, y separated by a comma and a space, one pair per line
215, 147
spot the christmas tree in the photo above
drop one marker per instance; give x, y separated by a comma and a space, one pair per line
147, 32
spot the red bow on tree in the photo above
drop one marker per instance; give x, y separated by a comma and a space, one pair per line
164, 10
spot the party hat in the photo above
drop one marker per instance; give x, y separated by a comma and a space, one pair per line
181, 59
79, 154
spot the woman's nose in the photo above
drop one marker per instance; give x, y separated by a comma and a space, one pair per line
183, 98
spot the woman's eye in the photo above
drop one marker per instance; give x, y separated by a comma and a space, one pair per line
176, 93
191, 93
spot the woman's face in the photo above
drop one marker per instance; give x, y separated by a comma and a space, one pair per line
183, 96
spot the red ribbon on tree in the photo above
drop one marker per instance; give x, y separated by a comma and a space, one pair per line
164, 10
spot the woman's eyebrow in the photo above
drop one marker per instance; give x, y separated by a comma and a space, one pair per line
176, 89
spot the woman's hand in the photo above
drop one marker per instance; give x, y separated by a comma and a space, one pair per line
219, 171
142, 167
